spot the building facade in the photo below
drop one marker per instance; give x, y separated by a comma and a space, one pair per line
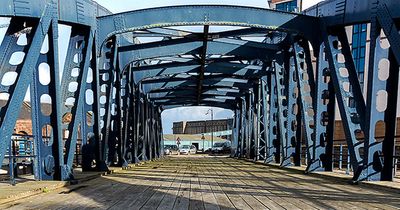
286, 5
201, 127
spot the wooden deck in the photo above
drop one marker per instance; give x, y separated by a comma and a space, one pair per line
199, 182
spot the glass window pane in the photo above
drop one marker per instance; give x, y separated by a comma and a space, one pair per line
364, 27
355, 41
362, 65
363, 39
355, 29
362, 52
355, 53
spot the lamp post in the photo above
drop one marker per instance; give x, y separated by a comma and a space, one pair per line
212, 126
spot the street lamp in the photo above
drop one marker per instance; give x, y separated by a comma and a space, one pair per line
212, 126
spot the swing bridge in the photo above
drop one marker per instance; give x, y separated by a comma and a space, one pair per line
280, 73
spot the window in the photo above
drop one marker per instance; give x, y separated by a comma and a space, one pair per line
289, 6
358, 50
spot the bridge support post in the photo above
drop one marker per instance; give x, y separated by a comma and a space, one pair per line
261, 121
383, 76
349, 96
318, 121
273, 140
243, 128
287, 109
236, 132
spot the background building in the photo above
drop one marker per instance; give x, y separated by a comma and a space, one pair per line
201, 127
286, 5
200, 141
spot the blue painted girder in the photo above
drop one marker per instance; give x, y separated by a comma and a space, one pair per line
149, 87
203, 15
82, 12
173, 48
234, 69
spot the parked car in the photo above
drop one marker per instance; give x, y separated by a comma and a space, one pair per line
171, 149
221, 147
188, 149
167, 151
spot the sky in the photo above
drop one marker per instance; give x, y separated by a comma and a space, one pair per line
117, 6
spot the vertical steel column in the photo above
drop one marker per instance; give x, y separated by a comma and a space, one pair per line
273, 143
261, 148
304, 87
243, 129
293, 125
287, 105
249, 125
73, 88
126, 104
114, 116
106, 66
23, 70
236, 133
348, 93
320, 145
131, 122
137, 125
383, 76
46, 124
253, 126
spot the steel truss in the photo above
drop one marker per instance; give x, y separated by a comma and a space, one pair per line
282, 89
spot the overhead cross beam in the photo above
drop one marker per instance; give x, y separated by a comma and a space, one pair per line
203, 58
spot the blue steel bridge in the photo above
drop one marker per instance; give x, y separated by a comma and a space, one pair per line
281, 73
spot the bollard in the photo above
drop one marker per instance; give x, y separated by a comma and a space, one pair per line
348, 163
340, 156
11, 164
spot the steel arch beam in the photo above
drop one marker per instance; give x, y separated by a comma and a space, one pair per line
219, 105
194, 15
149, 87
179, 95
68, 12
183, 77
233, 69
238, 88
175, 47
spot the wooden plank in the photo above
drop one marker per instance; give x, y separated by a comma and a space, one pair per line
168, 179
195, 197
169, 199
182, 201
209, 198
210, 183
229, 190
223, 200
242, 189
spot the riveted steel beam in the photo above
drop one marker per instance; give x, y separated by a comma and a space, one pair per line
16, 91
202, 61
348, 93
194, 15
349, 12
175, 47
83, 12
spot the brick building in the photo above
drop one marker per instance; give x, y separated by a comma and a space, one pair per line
23, 125
200, 127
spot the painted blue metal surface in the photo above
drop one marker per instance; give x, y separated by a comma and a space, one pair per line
114, 86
